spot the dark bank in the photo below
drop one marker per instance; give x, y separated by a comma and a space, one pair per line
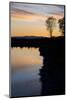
52, 73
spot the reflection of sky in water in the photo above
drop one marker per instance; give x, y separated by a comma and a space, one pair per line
22, 57
27, 74
26, 63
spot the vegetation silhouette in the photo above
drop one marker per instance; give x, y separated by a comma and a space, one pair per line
62, 25
52, 73
50, 23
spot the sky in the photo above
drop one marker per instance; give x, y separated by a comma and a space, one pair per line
30, 19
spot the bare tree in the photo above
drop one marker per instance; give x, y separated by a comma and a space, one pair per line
61, 25
50, 22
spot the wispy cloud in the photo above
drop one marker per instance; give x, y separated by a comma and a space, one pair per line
19, 11
37, 9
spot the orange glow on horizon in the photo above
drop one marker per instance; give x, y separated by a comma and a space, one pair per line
26, 23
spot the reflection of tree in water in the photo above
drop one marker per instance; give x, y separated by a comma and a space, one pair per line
43, 78
52, 74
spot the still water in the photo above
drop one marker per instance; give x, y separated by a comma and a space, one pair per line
25, 66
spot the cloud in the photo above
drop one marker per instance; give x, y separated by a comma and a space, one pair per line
38, 8
18, 11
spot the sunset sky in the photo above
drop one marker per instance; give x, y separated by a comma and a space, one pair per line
29, 19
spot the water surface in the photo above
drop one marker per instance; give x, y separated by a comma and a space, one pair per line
25, 78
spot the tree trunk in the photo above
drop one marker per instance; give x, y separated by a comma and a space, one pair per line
50, 32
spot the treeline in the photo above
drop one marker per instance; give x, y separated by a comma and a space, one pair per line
51, 23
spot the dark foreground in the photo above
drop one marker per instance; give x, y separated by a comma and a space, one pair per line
52, 73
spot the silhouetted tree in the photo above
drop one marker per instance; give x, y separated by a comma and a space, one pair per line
50, 22
61, 25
